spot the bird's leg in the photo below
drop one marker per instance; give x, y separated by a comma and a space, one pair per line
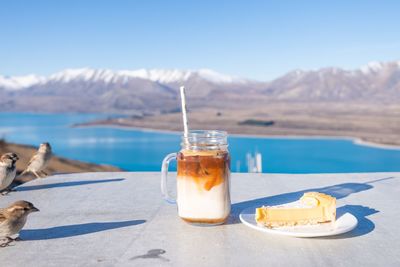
5, 192
10, 189
45, 174
9, 240
17, 239
5, 244
36, 174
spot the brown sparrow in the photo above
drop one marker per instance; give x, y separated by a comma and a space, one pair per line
8, 170
39, 161
13, 219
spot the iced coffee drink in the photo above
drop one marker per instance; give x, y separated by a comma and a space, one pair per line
203, 186
203, 173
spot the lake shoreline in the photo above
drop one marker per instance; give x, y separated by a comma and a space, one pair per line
356, 140
142, 143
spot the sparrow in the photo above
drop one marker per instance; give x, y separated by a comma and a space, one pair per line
8, 170
39, 161
13, 219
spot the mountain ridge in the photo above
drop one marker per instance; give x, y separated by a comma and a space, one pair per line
107, 75
157, 90
165, 75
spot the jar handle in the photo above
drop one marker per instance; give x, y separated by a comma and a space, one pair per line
164, 176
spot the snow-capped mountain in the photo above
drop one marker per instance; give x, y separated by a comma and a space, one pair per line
109, 76
101, 90
372, 82
97, 90
20, 82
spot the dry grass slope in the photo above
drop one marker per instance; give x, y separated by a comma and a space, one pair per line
56, 165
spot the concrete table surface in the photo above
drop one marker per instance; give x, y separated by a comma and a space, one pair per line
119, 219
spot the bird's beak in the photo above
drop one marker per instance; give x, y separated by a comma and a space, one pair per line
34, 209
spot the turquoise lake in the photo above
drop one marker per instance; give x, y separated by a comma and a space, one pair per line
137, 150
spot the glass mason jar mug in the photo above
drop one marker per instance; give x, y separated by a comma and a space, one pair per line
203, 178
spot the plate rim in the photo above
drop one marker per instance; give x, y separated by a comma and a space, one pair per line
248, 211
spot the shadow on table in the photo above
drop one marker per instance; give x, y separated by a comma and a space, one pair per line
65, 184
338, 191
74, 230
364, 226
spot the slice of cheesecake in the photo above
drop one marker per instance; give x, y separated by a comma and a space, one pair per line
312, 208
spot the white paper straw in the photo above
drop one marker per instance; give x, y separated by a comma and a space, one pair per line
184, 114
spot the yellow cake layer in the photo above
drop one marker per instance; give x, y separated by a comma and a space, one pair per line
313, 208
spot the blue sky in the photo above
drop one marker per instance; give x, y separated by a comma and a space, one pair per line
254, 39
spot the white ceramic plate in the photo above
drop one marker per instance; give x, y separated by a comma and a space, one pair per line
344, 223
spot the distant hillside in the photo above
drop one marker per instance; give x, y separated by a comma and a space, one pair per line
156, 91
56, 164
